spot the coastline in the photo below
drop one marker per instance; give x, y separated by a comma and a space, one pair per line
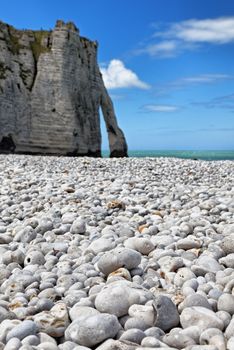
182, 154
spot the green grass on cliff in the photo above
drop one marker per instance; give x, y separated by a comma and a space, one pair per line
38, 45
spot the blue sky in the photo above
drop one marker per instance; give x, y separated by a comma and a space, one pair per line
168, 64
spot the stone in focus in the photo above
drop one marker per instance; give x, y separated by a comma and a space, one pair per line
93, 329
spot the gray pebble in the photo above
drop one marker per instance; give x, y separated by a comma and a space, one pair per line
201, 317
78, 226
134, 322
93, 329
119, 257
150, 342
22, 330
213, 336
226, 303
194, 300
78, 311
167, 315
13, 344
31, 340
116, 297
154, 332
178, 340
34, 258
134, 335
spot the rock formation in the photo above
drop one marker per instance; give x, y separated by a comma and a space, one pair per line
51, 90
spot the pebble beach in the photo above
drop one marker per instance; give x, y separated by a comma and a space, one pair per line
116, 254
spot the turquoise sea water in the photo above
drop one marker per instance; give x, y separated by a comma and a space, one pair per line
204, 155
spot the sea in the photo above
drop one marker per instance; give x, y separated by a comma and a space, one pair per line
197, 155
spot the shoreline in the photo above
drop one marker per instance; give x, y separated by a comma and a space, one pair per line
181, 154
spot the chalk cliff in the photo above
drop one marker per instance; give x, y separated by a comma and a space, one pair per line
51, 90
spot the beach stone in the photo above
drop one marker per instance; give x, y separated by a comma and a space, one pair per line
116, 298
228, 260
134, 322
228, 229
194, 300
70, 345
118, 257
53, 322
225, 317
78, 311
17, 256
49, 293
111, 344
170, 263
140, 244
45, 224
26, 235
44, 304
47, 346
5, 314
205, 264
230, 329
227, 244
31, 340
101, 245
78, 227
121, 272
133, 335
167, 316
215, 293
46, 338
201, 317
5, 239
13, 344
192, 332
93, 329
203, 347
178, 340
145, 312
213, 336
230, 343
69, 188
183, 274
6, 326
34, 258
22, 330
155, 332
162, 346
69, 217
187, 243
150, 342
226, 303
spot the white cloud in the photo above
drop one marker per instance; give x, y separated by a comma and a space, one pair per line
162, 49
190, 81
189, 35
216, 30
160, 108
116, 97
206, 78
116, 75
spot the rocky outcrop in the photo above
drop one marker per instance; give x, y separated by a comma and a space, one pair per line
51, 90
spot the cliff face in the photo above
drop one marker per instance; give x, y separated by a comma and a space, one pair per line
51, 91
